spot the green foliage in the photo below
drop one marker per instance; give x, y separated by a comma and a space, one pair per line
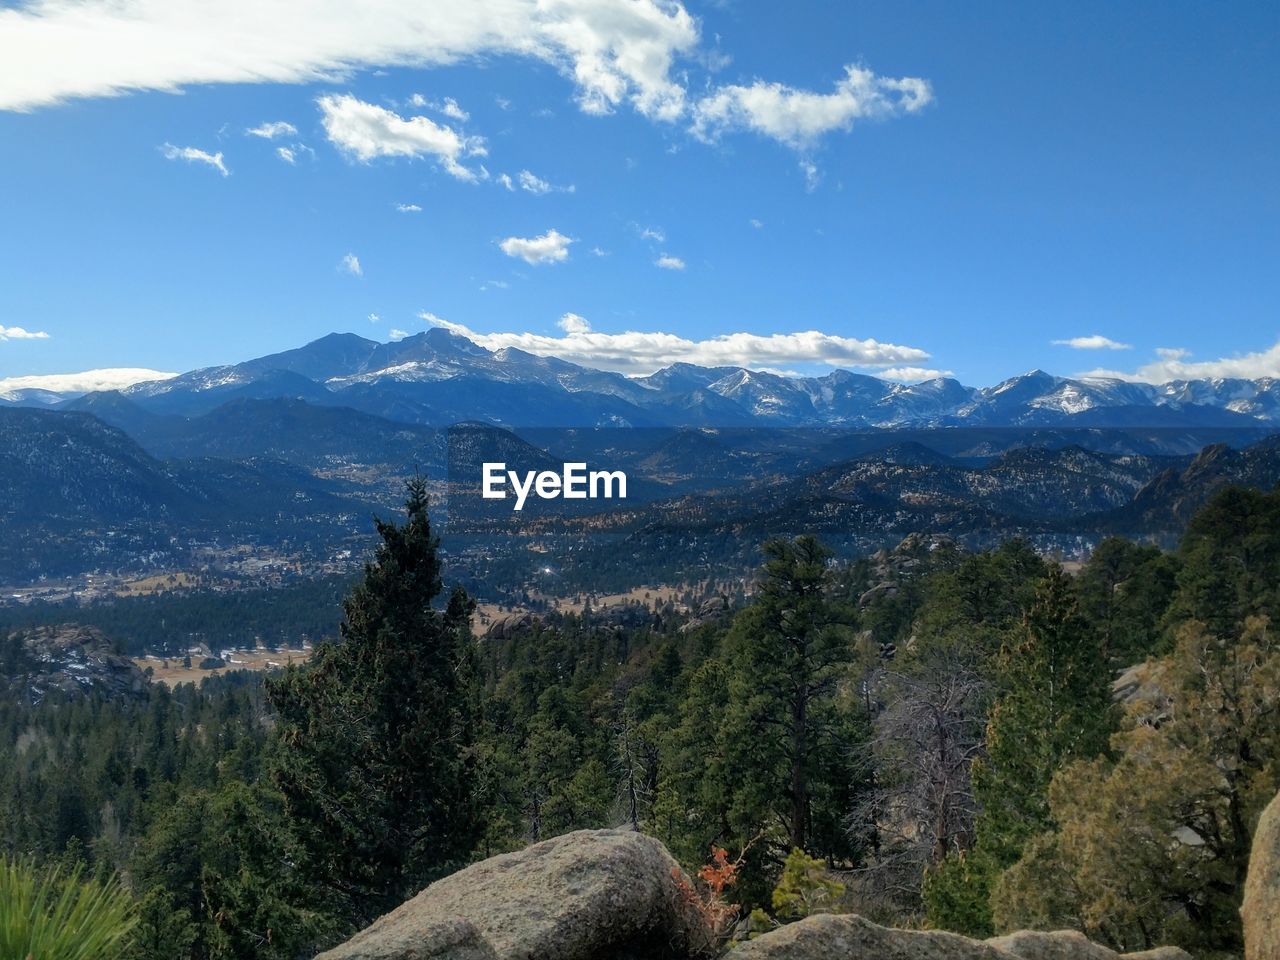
1055, 707
806, 887
375, 760
47, 915
1156, 844
957, 894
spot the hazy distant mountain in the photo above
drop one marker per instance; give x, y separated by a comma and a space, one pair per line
438, 378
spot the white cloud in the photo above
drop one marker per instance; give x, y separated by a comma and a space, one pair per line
531, 183
396, 334
637, 353
799, 118
408, 208
86, 382
599, 252
572, 323
374, 318
614, 52
1094, 342
351, 264
912, 374
366, 131
550, 247
450, 108
506, 181
18, 333
668, 262
287, 155
758, 224
1173, 364
193, 155
276, 128
656, 234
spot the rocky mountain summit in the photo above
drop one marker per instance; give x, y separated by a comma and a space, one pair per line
440, 376
68, 660
599, 894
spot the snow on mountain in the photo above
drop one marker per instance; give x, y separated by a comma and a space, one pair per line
410, 379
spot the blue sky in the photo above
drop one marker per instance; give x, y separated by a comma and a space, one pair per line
989, 179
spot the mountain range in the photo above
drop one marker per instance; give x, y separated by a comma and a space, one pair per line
439, 377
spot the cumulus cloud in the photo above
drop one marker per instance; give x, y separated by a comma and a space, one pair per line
194, 155
615, 53
397, 334
18, 333
86, 382
366, 131
550, 247
351, 264
668, 262
276, 128
637, 353
408, 208
1093, 342
799, 117
1173, 363
572, 323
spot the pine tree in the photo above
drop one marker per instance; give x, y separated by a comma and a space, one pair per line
790, 729
375, 759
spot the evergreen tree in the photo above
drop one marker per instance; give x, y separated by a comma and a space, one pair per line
791, 726
375, 760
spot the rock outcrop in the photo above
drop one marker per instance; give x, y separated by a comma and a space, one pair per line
67, 661
1072, 945
1261, 910
584, 896
830, 937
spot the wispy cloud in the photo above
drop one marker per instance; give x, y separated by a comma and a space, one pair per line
637, 353
287, 154
276, 128
668, 262
18, 333
351, 264
448, 106
1173, 363
408, 208
366, 131
531, 183
195, 155
1094, 342
550, 247
86, 382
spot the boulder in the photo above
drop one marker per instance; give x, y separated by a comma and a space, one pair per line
435, 938
1072, 945
831, 937
1057, 945
583, 896
1261, 909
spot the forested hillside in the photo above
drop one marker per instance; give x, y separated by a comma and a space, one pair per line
926, 736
